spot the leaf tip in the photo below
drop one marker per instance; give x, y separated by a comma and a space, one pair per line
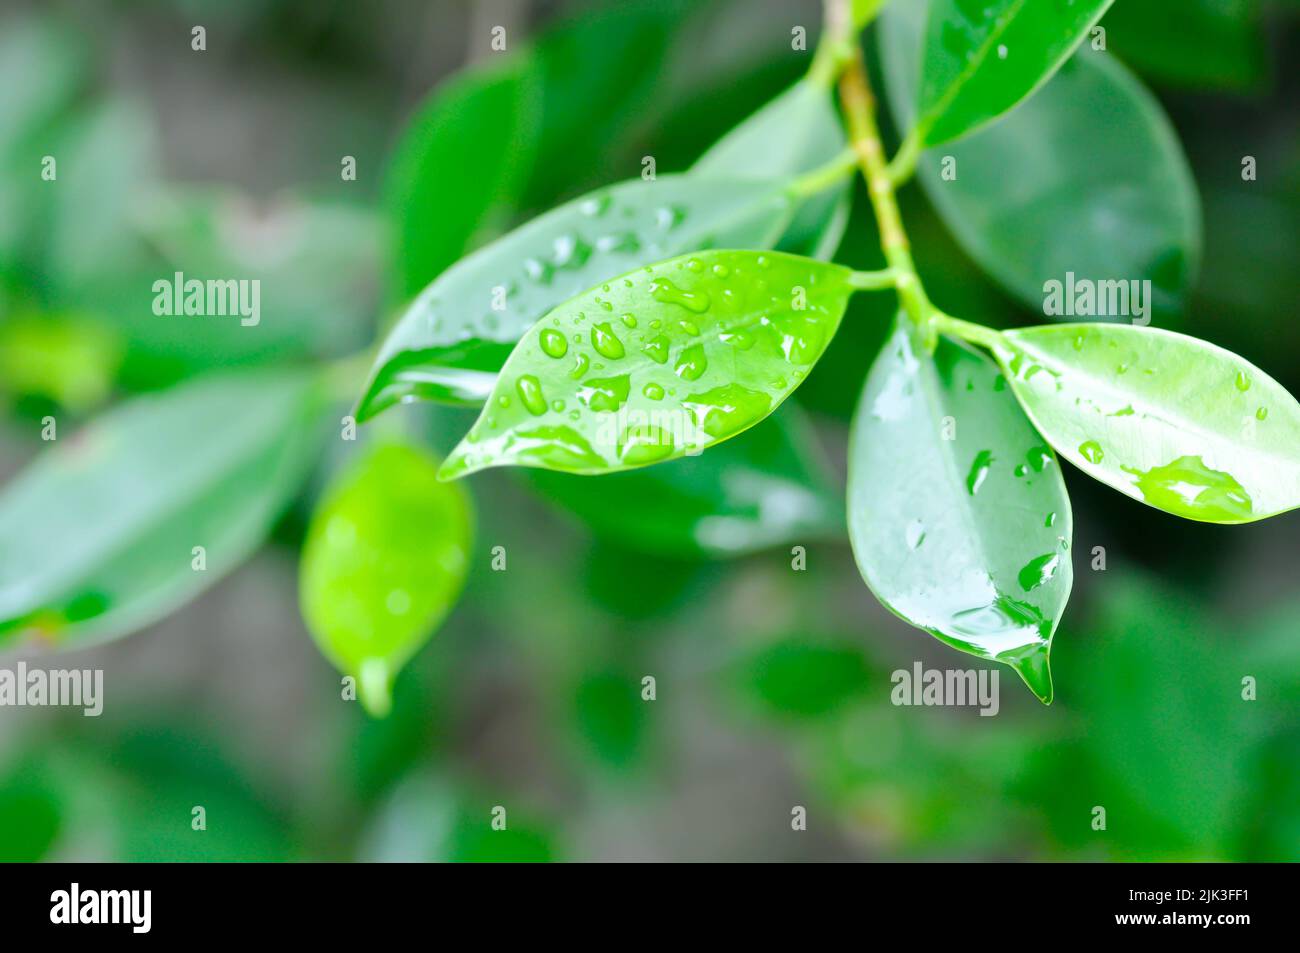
374, 687
1035, 669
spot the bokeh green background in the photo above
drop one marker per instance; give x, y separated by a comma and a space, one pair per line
772, 684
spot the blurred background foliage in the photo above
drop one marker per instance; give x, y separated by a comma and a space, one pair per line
772, 685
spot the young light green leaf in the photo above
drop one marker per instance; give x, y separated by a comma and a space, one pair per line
661, 362
983, 56
452, 341
1031, 202
115, 526
479, 128
765, 488
384, 561
1175, 422
796, 132
958, 516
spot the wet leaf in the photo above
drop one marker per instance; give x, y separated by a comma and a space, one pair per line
658, 363
958, 516
764, 488
452, 341
1175, 422
796, 132
1032, 202
383, 563
97, 536
982, 57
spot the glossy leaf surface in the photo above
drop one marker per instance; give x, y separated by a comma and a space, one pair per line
982, 57
1176, 422
384, 561
661, 362
452, 341
958, 516
764, 488
1031, 200
796, 132
97, 536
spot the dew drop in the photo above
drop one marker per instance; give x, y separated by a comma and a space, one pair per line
530, 392
553, 343
979, 471
663, 290
605, 394
606, 342
656, 349
1039, 571
691, 363
915, 534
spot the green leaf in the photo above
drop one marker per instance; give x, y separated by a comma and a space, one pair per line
958, 516
1175, 422
427, 820
599, 71
983, 56
796, 132
1031, 201
765, 488
384, 561
106, 157
311, 257
65, 359
802, 677
451, 342
661, 362
97, 536
1219, 44
42, 65
462, 159
610, 716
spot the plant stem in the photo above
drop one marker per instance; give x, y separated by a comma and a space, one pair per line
873, 280
824, 176
859, 111
834, 49
975, 333
903, 164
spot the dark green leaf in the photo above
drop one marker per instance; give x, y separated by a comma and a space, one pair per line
97, 536
462, 159
982, 57
1217, 44
1178, 423
957, 512
804, 677
452, 341
383, 563
1032, 201
661, 362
